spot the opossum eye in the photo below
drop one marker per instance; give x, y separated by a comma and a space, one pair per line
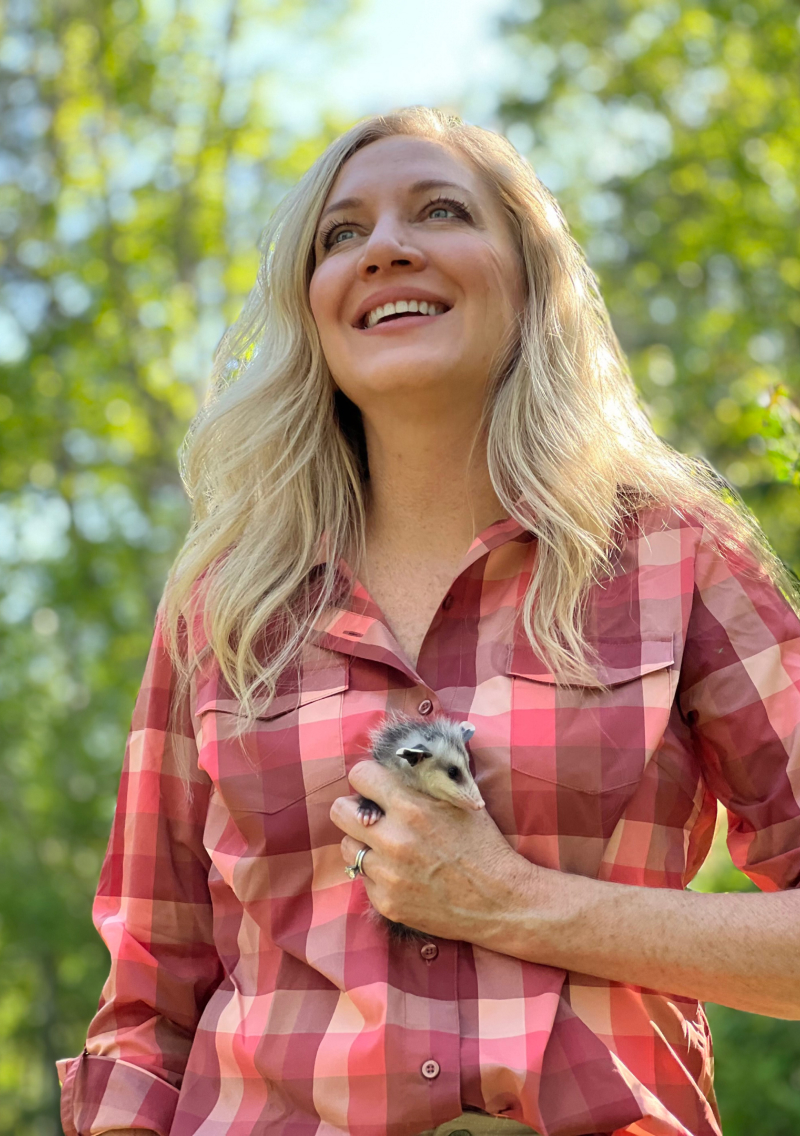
454, 773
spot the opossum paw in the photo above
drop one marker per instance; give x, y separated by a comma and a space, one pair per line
368, 812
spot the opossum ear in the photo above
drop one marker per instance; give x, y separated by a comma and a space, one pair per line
467, 730
415, 755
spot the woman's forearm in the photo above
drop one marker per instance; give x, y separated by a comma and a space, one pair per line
740, 950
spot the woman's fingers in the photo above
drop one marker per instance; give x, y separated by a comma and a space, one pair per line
373, 781
350, 848
344, 814
447, 871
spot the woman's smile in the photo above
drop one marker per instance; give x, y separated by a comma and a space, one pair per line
396, 302
401, 322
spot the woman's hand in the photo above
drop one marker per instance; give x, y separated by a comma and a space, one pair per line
445, 871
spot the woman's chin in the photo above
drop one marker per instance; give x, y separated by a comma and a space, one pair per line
415, 380
396, 366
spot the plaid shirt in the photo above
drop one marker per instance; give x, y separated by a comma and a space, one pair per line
249, 993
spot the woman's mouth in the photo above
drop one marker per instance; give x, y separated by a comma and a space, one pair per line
402, 311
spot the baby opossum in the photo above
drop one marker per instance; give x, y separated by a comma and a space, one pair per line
431, 757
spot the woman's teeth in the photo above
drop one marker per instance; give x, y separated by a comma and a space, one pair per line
420, 307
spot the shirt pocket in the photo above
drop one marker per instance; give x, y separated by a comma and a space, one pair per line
586, 738
290, 751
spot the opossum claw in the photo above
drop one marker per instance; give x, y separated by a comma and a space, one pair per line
368, 811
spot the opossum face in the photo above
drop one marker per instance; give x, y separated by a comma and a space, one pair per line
441, 769
447, 779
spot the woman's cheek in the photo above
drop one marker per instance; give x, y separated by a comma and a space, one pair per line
321, 298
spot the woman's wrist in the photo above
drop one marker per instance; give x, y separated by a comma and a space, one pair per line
516, 922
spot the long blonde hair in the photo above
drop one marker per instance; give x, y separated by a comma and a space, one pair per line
275, 461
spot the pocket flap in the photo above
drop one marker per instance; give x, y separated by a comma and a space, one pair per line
619, 660
317, 682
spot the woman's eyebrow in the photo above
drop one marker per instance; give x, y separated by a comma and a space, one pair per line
417, 187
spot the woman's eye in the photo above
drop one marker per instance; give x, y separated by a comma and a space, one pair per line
332, 238
446, 205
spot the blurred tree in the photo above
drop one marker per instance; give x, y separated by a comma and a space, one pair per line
669, 130
140, 155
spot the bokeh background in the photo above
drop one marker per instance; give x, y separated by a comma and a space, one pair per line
142, 148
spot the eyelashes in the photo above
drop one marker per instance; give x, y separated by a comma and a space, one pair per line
327, 233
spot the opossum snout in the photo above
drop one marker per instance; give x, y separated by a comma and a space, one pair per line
469, 798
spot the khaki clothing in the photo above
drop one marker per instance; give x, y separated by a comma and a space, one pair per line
480, 1124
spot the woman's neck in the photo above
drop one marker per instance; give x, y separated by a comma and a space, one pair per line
428, 496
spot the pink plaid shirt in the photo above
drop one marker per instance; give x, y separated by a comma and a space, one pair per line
249, 993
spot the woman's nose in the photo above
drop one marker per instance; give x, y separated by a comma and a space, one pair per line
389, 247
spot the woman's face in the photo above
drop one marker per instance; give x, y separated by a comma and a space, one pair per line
408, 220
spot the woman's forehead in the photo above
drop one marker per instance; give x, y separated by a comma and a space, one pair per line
400, 161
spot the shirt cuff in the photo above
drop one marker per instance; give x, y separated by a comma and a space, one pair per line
102, 1093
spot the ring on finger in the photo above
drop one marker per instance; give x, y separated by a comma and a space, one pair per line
353, 870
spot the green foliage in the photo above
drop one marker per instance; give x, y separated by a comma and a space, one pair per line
140, 155
670, 132
757, 1073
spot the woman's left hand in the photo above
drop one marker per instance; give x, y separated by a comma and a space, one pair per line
446, 871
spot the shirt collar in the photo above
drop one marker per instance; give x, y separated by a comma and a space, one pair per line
356, 627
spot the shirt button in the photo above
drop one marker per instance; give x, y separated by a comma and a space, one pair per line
429, 951
430, 1070
425, 706
448, 601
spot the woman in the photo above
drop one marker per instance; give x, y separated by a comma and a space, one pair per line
430, 490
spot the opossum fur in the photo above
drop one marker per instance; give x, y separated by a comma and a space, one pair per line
430, 756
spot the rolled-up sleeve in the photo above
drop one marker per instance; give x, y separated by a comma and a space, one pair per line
153, 911
740, 693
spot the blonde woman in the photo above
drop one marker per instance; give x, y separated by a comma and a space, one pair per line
423, 484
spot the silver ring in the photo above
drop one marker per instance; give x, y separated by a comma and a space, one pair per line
353, 870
